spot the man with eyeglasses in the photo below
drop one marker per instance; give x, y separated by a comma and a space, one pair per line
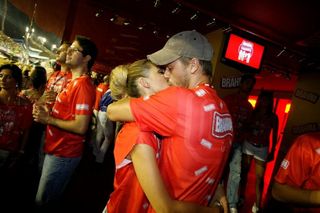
67, 124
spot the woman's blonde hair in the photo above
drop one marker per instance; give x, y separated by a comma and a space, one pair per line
123, 78
136, 70
118, 82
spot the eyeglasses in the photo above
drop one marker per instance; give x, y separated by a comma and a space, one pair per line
74, 49
60, 51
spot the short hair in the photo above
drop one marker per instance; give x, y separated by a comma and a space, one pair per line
269, 96
68, 43
16, 73
38, 77
206, 65
88, 48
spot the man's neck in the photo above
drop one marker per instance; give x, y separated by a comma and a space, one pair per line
203, 79
78, 71
64, 67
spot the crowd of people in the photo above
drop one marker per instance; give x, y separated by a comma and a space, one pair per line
177, 145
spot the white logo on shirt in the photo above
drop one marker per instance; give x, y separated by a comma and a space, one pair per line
285, 163
209, 107
221, 125
201, 170
210, 181
206, 143
200, 92
318, 151
82, 107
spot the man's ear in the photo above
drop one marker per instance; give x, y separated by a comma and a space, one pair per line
87, 58
143, 82
194, 64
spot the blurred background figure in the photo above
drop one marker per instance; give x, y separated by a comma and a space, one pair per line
38, 78
240, 110
298, 179
15, 115
15, 121
256, 144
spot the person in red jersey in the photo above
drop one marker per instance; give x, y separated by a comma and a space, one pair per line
240, 109
15, 116
67, 124
143, 78
60, 78
128, 195
195, 123
100, 90
262, 122
102, 129
297, 181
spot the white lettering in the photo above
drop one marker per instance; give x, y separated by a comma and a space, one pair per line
285, 163
222, 125
201, 170
209, 107
82, 107
206, 143
200, 92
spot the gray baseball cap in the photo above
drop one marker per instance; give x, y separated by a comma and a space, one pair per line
184, 44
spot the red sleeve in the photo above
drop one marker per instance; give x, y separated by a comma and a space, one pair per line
149, 139
84, 97
158, 112
295, 169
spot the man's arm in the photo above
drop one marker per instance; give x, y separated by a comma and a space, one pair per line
295, 195
79, 125
147, 171
120, 111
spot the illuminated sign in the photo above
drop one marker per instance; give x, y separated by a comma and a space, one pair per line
244, 51
243, 54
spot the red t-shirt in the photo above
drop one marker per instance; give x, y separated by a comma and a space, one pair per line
128, 195
240, 110
14, 120
58, 81
77, 99
197, 130
100, 90
301, 166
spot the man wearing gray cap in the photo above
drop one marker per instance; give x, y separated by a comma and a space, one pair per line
195, 124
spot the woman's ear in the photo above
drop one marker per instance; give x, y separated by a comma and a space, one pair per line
143, 82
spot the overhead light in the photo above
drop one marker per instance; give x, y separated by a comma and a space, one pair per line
194, 16
211, 22
126, 23
98, 13
156, 3
177, 9
42, 39
281, 52
140, 27
53, 46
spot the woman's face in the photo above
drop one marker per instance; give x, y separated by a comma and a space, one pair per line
156, 80
6, 80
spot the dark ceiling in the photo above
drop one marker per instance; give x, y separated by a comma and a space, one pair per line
126, 30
